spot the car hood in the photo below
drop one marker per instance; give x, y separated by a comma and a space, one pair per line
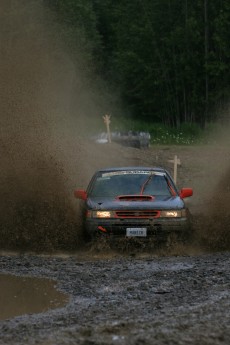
159, 202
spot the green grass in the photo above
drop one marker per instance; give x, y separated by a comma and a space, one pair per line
187, 134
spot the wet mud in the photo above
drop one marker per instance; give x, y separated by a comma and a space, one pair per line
122, 299
214, 224
46, 105
27, 295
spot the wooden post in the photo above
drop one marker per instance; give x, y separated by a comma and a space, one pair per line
176, 162
107, 122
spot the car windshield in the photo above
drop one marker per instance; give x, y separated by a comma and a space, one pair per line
115, 183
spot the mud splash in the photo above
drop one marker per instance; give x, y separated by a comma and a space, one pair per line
213, 227
42, 101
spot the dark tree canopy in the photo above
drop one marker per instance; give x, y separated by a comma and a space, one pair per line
169, 58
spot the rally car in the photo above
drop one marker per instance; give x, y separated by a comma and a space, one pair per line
139, 202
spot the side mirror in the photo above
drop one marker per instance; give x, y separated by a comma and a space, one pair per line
80, 194
186, 192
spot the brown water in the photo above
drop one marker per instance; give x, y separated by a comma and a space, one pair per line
20, 295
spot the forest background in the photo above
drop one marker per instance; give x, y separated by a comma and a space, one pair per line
167, 59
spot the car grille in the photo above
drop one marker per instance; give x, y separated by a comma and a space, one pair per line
138, 214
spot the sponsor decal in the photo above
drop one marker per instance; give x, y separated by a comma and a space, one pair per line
132, 172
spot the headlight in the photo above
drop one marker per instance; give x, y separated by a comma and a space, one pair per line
173, 213
100, 214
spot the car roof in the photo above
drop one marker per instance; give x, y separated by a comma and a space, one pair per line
130, 168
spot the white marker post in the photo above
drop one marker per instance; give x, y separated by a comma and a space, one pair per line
176, 162
107, 122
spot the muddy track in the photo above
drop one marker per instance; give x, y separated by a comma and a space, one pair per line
126, 299
174, 296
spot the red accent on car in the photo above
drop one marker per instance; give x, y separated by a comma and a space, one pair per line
135, 197
88, 213
138, 214
80, 194
102, 229
186, 192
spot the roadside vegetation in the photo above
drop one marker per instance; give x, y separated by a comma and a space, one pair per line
186, 134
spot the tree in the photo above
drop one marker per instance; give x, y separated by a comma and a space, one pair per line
168, 58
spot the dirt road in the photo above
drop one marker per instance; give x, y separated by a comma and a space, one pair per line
178, 295
148, 299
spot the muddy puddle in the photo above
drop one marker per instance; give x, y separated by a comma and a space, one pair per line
27, 295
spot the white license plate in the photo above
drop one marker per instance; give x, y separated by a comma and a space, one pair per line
136, 232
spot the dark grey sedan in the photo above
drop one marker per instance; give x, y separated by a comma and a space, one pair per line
136, 202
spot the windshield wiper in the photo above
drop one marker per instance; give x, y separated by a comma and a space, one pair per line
146, 183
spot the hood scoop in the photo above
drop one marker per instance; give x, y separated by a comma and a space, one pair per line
135, 197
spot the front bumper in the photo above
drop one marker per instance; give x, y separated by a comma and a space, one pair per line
159, 227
